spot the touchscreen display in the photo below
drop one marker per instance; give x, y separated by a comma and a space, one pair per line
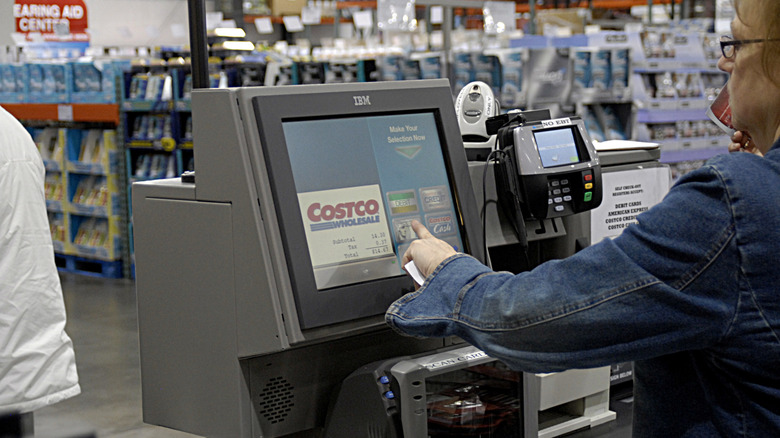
360, 181
557, 147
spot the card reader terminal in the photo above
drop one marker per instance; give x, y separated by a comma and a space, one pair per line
556, 166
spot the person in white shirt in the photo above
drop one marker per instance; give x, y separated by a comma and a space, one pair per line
37, 361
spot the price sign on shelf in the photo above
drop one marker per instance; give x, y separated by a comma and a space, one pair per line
264, 25
65, 113
292, 23
363, 19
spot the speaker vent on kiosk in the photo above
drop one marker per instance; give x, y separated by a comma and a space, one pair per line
276, 400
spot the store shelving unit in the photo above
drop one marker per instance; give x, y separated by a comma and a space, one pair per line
84, 183
676, 79
158, 122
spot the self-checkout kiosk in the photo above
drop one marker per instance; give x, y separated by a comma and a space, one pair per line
263, 278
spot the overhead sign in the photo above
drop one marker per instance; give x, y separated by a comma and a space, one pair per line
52, 20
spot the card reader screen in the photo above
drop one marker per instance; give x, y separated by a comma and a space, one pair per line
557, 147
360, 181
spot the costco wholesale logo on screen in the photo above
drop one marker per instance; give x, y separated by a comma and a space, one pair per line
343, 214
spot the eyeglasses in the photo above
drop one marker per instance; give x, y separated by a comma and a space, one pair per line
729, 46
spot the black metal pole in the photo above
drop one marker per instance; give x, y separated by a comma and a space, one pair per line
199, 52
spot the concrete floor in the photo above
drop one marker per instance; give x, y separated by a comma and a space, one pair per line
103, 325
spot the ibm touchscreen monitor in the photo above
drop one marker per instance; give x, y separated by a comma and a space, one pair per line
350, 166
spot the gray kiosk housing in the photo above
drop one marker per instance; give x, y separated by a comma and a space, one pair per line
224, 351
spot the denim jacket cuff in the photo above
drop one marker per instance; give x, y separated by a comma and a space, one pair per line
446, 262
428, 311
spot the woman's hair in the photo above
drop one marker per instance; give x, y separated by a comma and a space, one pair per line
765, 17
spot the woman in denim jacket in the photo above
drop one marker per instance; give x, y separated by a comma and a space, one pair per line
691, 292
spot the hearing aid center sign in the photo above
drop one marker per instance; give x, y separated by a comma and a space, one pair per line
52, 20
627, 194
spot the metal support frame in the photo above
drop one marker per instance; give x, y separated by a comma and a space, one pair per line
199, 51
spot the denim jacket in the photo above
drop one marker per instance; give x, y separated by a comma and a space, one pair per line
691, 293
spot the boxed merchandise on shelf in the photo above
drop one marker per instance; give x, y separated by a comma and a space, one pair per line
476, 66
183, 89
312, 72
711, 46
96, 81
279, 73
680, 135
13, 83
601, 65
607, 121
146, 165
251, 71
487, 69
671, 90
92, 151
51, 144
511, 64
58, 224
350, 70
601, 74
181, 76
668, 49
690, 90
677, 70
95, 237
712, 83
60, 81
332, 71
147, 86
54, 189
94, 195
286, 7
410, 69
462, 70
146, 91
186, 130
390, 67
151, 130
416, 65
49, 82
188, 162
430, 64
